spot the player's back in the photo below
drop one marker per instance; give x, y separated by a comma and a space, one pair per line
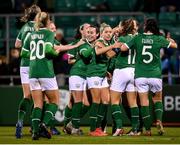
40, 65
148, 60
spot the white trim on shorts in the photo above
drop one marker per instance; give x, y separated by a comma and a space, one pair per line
43, 84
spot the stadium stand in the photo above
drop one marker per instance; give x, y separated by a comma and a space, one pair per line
65, 5
116, 11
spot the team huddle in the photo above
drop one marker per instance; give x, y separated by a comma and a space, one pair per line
107, 65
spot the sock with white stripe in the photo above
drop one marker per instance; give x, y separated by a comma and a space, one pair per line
23, 107
49, 113
36, 119
76, 114
158, 108
135, 118
101, 113
117, 115
93, 116
146, 117
67, 115
84, 110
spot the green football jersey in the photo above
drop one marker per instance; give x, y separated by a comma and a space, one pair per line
148, 61
99, 63
79, 68
127, 58
111, 65
37, 43
22, 36
56, 42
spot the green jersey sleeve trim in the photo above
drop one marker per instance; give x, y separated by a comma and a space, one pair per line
18, 39
169, 45
28, 34
86, 53
25, 53
50, 51
71, 55
25, 49
83, 49
126, 45
48, 43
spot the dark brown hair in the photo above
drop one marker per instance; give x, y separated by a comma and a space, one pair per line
152, 26
30, 13
128, 26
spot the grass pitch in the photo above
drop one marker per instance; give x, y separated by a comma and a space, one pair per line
171, 136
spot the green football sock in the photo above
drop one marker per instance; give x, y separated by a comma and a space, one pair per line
67, 115
146, 117
84, 110
158, 108
36, 119
23, 107
93, 116
76, 114
117, 115
135, 118
101, 113
49, 113
52, 122
45, 106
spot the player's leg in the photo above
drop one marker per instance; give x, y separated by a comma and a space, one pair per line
118, 86
85, 100
24, 104
143, 89
103, 108
94, 84
76, 88
37, 96
67, 128
53, 129
158, 106
134, 111
116, 111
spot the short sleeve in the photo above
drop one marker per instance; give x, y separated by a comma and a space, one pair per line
131, 43
164, 42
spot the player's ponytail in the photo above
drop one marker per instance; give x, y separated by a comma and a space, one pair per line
30, 13
42, 20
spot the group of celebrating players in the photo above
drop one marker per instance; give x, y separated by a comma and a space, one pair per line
107, 65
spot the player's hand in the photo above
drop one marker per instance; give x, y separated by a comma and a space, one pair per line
117, 44
170, 39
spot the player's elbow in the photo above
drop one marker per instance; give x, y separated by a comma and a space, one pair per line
18, 44
124, 47
174, 45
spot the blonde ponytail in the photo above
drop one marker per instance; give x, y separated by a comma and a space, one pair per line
42, 19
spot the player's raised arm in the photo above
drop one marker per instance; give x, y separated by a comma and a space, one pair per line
173, 44
60, 48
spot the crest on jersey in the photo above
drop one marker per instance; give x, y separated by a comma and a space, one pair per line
77, 85
96, 83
